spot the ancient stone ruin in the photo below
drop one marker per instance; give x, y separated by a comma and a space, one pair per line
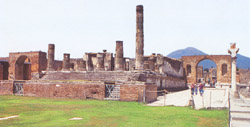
103, 75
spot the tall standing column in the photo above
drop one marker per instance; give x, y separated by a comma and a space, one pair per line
119, 65
51, 57
66, 62
233, 52
139, 38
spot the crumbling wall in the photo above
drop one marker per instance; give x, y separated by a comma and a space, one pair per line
6, 87
1, 72
58, 65
244, 75
164, 82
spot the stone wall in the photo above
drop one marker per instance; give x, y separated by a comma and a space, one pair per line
82, 90
244, 75
58, 65
151, 93
131, 92
1, 72
6, 87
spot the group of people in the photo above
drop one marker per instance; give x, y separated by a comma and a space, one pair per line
195, 87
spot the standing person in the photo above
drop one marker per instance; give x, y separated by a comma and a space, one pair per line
201, 86
192, 88
208, 81
196, 88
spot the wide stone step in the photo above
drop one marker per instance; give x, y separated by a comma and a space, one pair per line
239, 123
113, 99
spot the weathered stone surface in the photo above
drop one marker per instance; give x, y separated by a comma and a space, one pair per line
119, 60
51, 57
244, 76
131, 92
100, 62
58, 65
66, 62
108, 61
1, 71
6, 87
139, 39
83, 90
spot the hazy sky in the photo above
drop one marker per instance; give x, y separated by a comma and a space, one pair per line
79, 26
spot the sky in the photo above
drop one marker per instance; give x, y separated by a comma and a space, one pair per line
79, 26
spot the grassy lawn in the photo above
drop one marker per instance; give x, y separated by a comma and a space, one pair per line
41, 112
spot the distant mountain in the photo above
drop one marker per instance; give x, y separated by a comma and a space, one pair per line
189, 51
242, 61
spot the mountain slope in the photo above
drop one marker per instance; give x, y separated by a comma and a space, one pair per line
189, 51
242, 61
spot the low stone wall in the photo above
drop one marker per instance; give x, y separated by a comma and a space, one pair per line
150, 93
83, 90
131, 91
6, 87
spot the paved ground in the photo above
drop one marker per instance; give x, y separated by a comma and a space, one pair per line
239, 112
218, 99
176, 99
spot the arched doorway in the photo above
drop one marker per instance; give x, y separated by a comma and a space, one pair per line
206, 71
23, 68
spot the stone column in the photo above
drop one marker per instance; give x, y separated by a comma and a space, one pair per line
139, 38
233, 52
119, 64
108, 58
99, 62
51, 57
66, 62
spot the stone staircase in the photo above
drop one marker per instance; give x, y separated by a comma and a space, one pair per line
112, 92
239, 112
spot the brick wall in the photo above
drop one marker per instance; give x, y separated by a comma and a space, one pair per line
83, 90
131, 92
1, 72
151, 93
6, 87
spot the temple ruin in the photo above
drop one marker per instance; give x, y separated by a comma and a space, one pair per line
103, 75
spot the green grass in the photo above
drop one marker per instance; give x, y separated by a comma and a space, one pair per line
43, 112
